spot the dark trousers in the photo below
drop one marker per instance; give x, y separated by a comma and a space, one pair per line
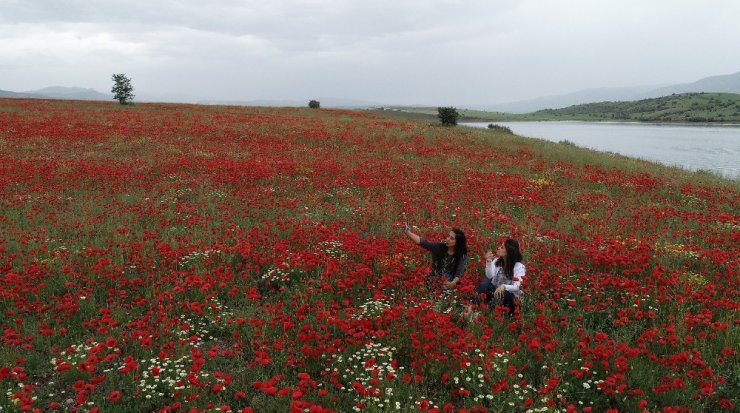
433, 284
486, 288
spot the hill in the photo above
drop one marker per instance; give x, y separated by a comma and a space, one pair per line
688, 107
9, 94
58, 92
723, 84
579, 97
75, 93
713, 84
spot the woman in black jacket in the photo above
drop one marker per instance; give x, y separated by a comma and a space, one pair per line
448, 257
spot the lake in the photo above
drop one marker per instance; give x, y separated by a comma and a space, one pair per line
713, 148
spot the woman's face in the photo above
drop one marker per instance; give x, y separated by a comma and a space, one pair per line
501, 251
450, 241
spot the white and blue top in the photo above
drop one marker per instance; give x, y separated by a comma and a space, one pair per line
496, 275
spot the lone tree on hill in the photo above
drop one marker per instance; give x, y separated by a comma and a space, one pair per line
123, 90
448, 116
314, 104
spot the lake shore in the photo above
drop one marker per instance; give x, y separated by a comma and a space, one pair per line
697, 147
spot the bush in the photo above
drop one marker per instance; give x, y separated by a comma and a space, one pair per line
500, 128
314, 104
567, 143
448, 116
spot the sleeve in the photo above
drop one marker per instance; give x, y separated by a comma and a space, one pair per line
490, 269
519, 273
460, 268
433, 247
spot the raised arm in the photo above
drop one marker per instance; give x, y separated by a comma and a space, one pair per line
411, 235
490, 270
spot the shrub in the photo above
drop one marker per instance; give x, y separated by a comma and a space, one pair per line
501, 128
314, 104
448, 116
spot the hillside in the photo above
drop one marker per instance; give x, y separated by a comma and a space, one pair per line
20, 95
718, 84
73, 93
58, 92
688, 107
714, 84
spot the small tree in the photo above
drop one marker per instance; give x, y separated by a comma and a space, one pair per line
314, 104
448, 116
122, 89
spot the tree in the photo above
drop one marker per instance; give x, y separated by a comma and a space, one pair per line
448, 116
314, 104
122, 89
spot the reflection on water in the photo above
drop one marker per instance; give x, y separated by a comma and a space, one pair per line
712, 148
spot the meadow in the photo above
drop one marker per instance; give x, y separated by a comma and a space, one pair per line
178, 258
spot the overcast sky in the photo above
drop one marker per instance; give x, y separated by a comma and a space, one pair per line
434, 52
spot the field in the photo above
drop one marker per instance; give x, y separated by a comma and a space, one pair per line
180, 258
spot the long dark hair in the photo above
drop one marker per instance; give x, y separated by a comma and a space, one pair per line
461, 244
513, 256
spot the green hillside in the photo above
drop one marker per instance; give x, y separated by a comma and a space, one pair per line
685, 107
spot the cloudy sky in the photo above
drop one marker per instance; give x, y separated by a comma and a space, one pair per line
434, 52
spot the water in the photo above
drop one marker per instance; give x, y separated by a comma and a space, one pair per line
713, 148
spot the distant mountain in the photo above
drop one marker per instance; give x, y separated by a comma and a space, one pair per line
262, 102
9, 94
714, 84
76, 93
58, 92
575, 98
166, 97
718, 84
326, 102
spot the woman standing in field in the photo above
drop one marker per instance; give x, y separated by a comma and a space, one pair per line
504, 275
448, 257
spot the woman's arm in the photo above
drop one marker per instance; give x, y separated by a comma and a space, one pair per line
519, 273
411, 235
459, 271
490, 265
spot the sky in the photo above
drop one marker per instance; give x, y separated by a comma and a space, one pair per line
436, 52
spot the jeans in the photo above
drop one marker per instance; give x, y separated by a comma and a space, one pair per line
486, 288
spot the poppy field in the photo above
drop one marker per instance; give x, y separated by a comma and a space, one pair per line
178, 258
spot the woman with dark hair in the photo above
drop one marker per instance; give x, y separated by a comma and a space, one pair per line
448, 257
504, 275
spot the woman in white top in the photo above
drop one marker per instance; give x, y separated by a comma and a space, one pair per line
504, 275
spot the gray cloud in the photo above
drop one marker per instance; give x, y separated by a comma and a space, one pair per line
392, 51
